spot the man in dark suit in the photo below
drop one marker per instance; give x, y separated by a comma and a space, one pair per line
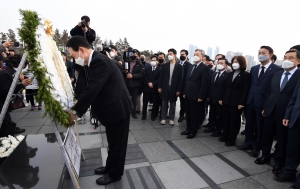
111, 101
170, 86
217, 82
291, 120
280, 92
195, 91
261, 76
185, 64
150, 88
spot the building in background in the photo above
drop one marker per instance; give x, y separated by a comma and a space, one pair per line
192, 49
209, 52
217, 51
250, 62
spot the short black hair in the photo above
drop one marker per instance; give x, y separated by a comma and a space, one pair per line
297, 53
185, 51
136, 51
223, 56
172, 50
153, 56
274, 58
86, 18
207, 57
268, 48
14, 61
297, 47
226, 61
161, 53
78, 41
113, 47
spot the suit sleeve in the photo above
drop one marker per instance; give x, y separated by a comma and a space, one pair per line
289, 108
140, 74
6, 84
209, 86
146, 80
221, 96
246, 87
75, 31
155, 82
267, 95
204, 83
180, 84
90, 35
71, 69
98, 76
161, 76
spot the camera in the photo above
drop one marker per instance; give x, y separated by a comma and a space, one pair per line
16, 44
83, 24
105, 49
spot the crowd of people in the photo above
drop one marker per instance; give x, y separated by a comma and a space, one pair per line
267, 97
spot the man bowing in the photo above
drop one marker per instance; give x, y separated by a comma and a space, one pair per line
109, 97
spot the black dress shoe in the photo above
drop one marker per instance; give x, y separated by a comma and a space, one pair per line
207, 125
284, 178
185, 133
276, 169
216, 134
134, 116
243, 132
153, 118
143, 117
180, 119
19, 130
222, 140
229, 144
245, 147
190, 136
208, 130
262, 160
295, 186
254, 153
105, 180
101, 171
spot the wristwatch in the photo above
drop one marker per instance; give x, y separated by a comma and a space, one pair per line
74, 112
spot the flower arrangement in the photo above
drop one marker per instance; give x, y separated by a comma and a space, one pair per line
9, 144
55, 88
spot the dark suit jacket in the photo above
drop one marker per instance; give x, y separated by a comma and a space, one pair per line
277, 98
106, 92
152, 77
186, 66
82, 79
216, 87
176, 83
197, 83
137, 73
259, 88
235, 92
293, 109
70, 69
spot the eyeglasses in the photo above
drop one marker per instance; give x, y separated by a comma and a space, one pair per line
289, 58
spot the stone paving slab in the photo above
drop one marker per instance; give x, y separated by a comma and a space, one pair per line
91, 141
134, 155
213, 144
172, 133
192, 147
247, 183
266, 179
178, 174
150, 135
216, 169
140, 124
30, 123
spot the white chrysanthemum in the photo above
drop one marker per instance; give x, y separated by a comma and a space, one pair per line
6, 141
20, 137
2, 149
4, 154
7, 145
14, 145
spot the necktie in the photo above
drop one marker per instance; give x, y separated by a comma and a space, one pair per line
285, 80
193, 69
217, 76
261, 72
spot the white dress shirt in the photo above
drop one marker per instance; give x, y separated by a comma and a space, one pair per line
90, 58
289, 76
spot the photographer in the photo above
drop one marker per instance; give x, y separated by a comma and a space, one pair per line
133, 72
83, 29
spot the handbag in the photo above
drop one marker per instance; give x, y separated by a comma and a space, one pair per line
16, 102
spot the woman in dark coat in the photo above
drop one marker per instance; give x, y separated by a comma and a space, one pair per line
233, 99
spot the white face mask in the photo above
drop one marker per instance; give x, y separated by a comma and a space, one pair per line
287, 64
170, 57
196, 59
153, 63
235, 66
112, 54
220, 67
79, 60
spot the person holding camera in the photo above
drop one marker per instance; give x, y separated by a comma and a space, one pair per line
133, 72
83, 29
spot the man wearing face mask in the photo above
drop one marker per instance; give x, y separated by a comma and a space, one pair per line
113, 55
185, 64
217, 82
170, 86
161, 59
108, 95
261, 76
133, 76
150, 90
279, 93
195, 91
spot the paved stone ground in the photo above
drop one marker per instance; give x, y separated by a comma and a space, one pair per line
159, 157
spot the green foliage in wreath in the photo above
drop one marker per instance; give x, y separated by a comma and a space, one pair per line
29, 25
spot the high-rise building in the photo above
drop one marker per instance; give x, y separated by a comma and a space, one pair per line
209, 52
217, 51
192, 49
250, 62
230, 55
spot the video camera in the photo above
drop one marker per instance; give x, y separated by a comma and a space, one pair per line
16, 44
128, 54
105, 49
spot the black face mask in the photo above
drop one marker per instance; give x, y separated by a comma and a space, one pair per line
142, 59
182, 58
133, 57
161, 61
210, 66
